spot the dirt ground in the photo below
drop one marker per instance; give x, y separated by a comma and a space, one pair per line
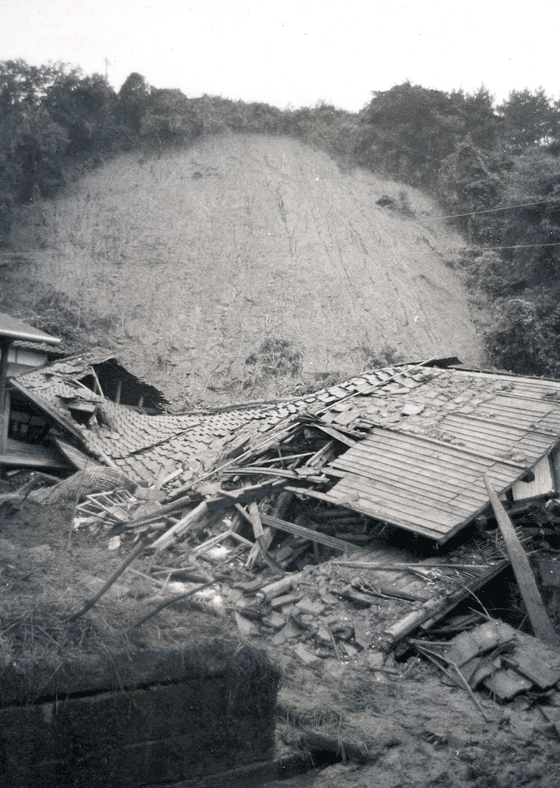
404, 728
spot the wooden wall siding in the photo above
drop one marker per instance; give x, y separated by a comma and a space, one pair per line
425, 486
542, 484
32, 455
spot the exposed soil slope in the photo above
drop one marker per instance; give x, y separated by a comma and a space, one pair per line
199, 255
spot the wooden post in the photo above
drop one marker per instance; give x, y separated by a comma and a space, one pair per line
6, 423
4, 400
118, 392
542, 626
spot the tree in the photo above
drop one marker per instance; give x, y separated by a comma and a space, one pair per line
85, 107
32, 143
169, 117
133, 102
408, 130
527, 119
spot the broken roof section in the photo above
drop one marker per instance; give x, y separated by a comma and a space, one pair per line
95, 376
421, 464
410, 443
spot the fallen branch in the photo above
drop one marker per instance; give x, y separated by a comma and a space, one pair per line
116, 574
168, 602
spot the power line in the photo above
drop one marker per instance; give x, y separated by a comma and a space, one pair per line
517, 246
493, 210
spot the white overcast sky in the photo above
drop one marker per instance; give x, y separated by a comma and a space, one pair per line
294, 52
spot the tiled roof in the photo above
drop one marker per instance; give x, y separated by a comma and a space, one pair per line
138, 443
430, 434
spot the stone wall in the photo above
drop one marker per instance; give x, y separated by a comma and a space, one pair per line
211, 720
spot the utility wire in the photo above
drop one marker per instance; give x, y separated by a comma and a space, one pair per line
517, 246
493, 210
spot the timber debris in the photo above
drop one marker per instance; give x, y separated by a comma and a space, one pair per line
327, 526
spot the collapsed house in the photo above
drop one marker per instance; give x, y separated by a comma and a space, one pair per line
409, 444
385, 479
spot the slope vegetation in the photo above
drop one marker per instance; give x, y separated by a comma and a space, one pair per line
248, 254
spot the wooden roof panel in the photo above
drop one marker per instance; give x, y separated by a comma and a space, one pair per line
425, 485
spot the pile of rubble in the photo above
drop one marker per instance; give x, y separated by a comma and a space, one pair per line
263, 540
350, 523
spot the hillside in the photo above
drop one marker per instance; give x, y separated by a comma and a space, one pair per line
194, 258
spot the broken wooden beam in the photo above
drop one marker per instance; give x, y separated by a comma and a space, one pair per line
307, 533
282, 503
541, 623
107, 585
401, 567
261, 543
184, 524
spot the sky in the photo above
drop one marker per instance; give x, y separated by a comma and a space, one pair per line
292, 53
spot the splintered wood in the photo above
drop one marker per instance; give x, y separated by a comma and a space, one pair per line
312, 571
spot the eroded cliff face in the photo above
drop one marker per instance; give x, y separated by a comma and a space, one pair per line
199, 258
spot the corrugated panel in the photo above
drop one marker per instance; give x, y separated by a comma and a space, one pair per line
422, 485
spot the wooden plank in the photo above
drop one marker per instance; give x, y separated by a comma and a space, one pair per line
417, 473
536, 610
494, 426
32, 456
531, 405
318, 459
393, 464
313, 494
281, 505
451, 451
435, 464
339, 436
440, 520
214, 540
262, 540
381, 511
400, 492
74, 455
401, 567
255, 519
429, 447
529, 446
184, 524
369, 511
437, 479
413, 487
307, 533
